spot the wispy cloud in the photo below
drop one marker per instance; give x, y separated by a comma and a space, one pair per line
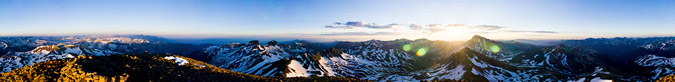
552, 32
424, 29
358, 33
359, 24
432, 28
487, 27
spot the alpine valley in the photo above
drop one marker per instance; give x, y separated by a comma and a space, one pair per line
123, 57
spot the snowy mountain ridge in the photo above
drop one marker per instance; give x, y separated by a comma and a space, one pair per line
478, 59
481, 59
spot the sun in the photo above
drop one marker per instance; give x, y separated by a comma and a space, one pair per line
451, 33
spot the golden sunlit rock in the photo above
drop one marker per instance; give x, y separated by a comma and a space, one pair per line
669, 78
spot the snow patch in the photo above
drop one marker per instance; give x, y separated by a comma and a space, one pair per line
178, 60
69, 56
653, 60
580, 80
598, 79
599, 70
323, 61
452, 74
296, 70
3, 45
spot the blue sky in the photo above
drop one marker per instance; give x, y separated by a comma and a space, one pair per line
351, 19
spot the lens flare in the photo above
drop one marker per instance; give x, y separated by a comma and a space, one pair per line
494, 48
422, 51
406, 47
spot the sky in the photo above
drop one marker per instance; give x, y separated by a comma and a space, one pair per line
329, 20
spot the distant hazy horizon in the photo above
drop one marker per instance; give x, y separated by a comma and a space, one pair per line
264, 39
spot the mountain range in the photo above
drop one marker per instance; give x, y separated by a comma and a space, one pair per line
477, 59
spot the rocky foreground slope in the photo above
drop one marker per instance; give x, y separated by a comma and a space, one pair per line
139, 67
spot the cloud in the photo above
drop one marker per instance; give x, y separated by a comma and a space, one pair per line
487, 27
421, 27
416, 27
359, 24
551, 32
358, 33
435, 25
456, 25
425, 29
431, 28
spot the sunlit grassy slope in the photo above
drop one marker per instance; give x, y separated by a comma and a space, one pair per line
669, 78
136, 67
